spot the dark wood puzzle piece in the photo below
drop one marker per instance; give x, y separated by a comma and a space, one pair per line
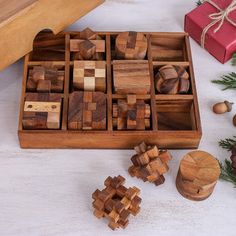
87, 111
116, 202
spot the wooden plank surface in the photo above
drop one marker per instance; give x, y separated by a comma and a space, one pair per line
14, 8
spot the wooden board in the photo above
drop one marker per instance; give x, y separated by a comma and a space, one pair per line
183, 129
21, 21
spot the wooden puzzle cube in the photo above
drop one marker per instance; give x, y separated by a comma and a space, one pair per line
131, 114
42, 111
87, 47
131, 45
89, 75
45, 79
116, 202
87, 111
88, 34
131, 77
150, 164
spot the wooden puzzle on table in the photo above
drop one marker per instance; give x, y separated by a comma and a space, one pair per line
119, 89
150, 164
89, 75
116, 202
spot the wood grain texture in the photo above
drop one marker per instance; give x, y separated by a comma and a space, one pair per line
18, 35
174, 121
116, 202
131, 77
47, 192
198, 175
87, 111
42, 111
131, 45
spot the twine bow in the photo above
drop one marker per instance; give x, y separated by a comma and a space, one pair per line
218, 18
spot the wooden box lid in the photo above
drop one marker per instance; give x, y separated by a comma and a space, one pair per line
21, 21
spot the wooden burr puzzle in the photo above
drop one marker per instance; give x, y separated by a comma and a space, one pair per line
115, 90
116, 202
150, 164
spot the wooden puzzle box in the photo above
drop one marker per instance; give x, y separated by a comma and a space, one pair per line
109, 90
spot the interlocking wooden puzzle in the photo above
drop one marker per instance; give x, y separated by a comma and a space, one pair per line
131, 45
87, 111
150, 164
42, 111
131, 114
120, 88
131, 77
45, 79
116, 202
89, 75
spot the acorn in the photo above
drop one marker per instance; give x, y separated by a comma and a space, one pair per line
222, 107
234, 120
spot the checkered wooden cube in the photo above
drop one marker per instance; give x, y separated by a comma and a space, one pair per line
116, 202
89, 76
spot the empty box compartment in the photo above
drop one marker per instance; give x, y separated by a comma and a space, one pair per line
48, 47
175, 115
168, 48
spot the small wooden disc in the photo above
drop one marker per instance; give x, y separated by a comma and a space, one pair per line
198, 175
131, 45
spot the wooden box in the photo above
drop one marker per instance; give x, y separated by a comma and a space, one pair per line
175, 120
22, 20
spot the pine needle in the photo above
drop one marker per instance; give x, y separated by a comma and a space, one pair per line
228, 143
227, 172
229, 81
234, 60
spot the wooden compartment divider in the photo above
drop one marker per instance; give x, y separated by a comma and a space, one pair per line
112, 138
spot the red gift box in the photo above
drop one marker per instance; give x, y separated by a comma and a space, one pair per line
213, 26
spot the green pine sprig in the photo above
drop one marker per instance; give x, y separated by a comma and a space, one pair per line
233, 62
228, 143
227, 172
229, 81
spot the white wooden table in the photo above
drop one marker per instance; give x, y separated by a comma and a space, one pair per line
48, 192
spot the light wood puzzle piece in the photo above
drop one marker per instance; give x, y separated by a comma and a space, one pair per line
131, 77
89, 75
131, 45
150, 164
116, 202
45, 79
198, 175
87, 111
42, 111
133, 114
